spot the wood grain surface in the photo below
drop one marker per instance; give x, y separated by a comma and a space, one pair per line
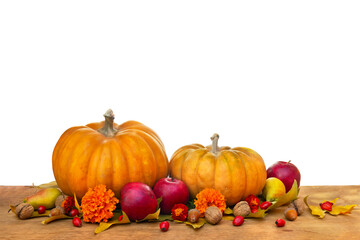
305, 227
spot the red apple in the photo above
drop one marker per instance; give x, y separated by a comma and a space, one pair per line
172, 191
137, 200
286, 172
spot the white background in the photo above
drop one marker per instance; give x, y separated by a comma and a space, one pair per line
280, 77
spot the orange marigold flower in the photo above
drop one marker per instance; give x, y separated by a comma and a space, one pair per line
98, 204
209, 197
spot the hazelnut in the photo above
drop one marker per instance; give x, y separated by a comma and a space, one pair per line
24, 210
242, 209
290, 214
56, 211
193, 215
213, 215
298, 205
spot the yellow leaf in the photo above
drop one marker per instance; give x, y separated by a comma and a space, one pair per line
167, 217
260, 213
12, 208
196, 225
291, 195
105, 225
333, 201
52, 184
54, 218
315, 210
228, 211
153, 216
229, 218
77, 204
35, 213
158, 200
337, 210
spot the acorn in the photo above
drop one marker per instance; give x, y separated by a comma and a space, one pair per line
24, 210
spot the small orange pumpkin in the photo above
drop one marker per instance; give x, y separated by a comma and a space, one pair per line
110, 154
235, 172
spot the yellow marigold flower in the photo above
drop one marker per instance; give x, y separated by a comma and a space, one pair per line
98, 204
209, 197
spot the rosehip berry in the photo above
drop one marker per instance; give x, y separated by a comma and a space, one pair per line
238, 221
265, 205
77, 222
41, 209
280, 222
74, 212
327, 206
164, 226
121, 218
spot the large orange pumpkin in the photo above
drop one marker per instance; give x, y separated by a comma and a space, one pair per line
235, 172
110, 154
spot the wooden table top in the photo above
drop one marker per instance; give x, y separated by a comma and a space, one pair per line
305, 227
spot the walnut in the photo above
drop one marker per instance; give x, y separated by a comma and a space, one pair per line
213, 215
298, 205
24, 210
56, 211
242, 209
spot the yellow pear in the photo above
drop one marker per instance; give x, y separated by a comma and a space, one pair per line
45, 197
274, 189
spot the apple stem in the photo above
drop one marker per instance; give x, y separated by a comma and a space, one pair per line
215, 139
288, 162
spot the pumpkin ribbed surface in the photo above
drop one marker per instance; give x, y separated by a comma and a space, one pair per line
84, 157
235, 172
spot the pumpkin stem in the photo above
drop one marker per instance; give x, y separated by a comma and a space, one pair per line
215, 139
108, 129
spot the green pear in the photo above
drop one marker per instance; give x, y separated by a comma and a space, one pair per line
274, 189
45, 197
